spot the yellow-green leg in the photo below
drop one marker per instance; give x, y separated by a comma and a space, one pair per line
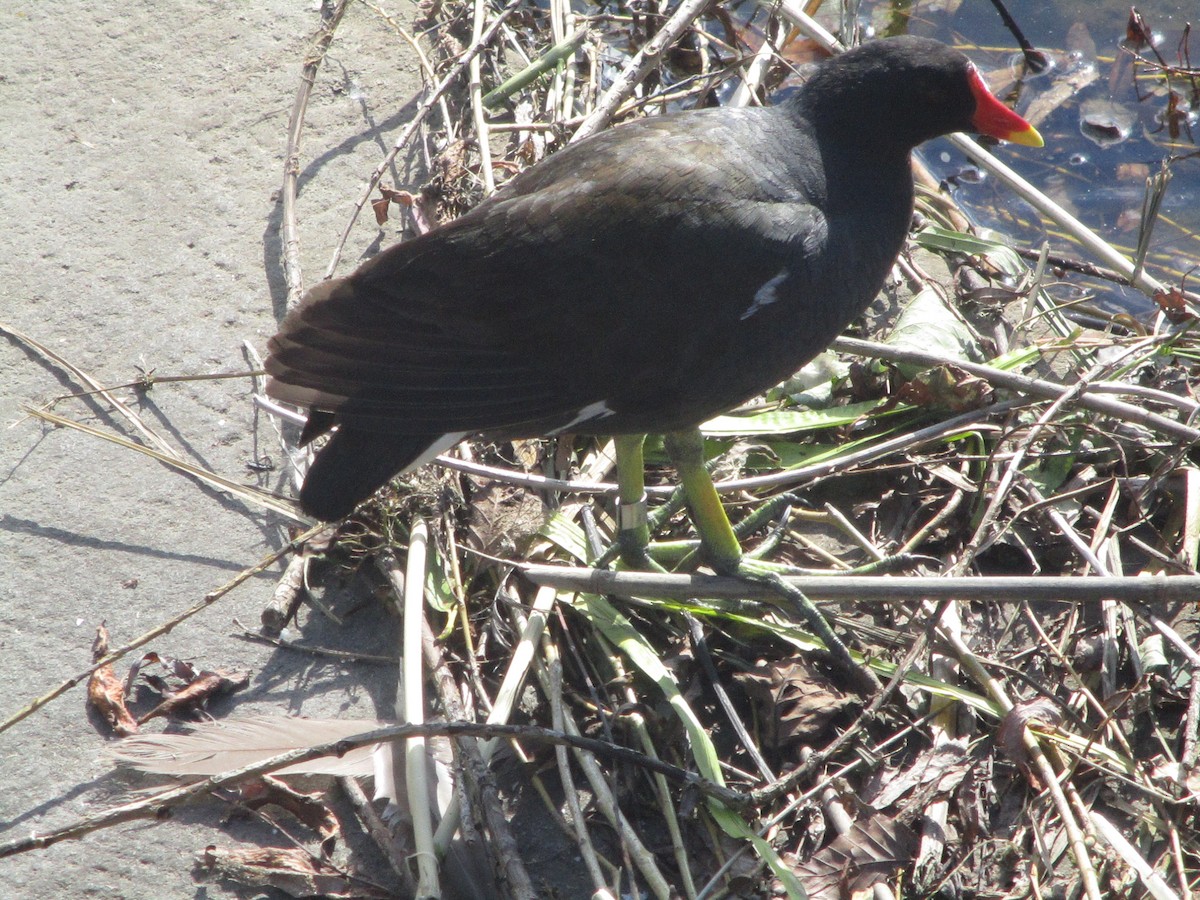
633, 532
721, 547
724, 553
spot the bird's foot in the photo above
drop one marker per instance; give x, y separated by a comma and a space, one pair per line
794, 602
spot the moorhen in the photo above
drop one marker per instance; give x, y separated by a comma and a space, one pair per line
641, 280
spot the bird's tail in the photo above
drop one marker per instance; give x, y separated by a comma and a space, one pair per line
355, 464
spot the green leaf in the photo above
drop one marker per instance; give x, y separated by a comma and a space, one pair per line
438, 593
928, 324
793, 421
1002, 256
567, 536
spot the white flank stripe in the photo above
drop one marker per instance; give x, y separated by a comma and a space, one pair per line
765, 295
589, 413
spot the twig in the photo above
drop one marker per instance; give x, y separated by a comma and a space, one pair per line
380, 833
507, 696
984, 534
208, 600
427, 70
416, 762
287, 596
552, 684
244, 492
700, 648
475, 91
667, 808
345, 657
1191, 724
811, 762
1033, 387
1155, 886
872, 589
410, 129
1038, 758
96, 387
754, 74
638, 67
475, 771
1034, 58
605, 800
331, 17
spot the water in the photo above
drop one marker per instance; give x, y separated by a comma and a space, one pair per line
1108, 123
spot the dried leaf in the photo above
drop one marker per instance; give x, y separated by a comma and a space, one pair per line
1010, 735
291, 870
1133, 171
197, 693
1137, 32
309, 809
1174, 775
947, 387
1105, 122
940, 768
380, 208
134, 670
387, 198
504, 519
930, 324
797, 703
106, 693
1174, 305
868, 854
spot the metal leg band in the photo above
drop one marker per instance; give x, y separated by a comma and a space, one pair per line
631, 516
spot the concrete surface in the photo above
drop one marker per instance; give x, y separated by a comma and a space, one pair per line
141, 150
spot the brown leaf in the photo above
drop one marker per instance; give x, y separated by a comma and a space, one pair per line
106, 693
1174, 776
134, 670
309, 809
389, 196
947, 387
1174, 305
1133, 171
939, 769
868, 854
1105, 122
100, 643
291, 870
197, 693
504, 519
1010, 735
797, 703
1136, 30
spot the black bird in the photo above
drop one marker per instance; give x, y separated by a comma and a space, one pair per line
641, 280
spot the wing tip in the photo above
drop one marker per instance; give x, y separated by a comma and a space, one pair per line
354, 464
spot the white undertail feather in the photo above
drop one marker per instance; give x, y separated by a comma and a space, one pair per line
442, 444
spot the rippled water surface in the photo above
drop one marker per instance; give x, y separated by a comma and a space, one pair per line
1110, 120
